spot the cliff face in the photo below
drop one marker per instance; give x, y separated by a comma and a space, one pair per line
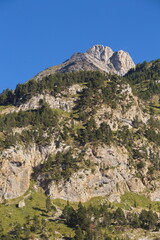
16, 168
17, 164
110, 177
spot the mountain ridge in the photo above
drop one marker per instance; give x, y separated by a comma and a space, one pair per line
97, 57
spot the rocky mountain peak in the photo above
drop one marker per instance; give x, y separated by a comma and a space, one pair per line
98, 57
100, 52
122, 62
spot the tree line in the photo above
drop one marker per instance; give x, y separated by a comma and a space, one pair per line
54, 83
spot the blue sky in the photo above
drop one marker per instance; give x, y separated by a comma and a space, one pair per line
36, 34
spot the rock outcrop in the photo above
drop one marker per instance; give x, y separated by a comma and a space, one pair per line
17, 164
21, 204
100, 53
16, 168
122, 62
109, 177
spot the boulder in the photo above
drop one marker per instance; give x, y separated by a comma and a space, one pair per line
21, 204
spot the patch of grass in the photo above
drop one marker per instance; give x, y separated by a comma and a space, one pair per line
78, 125
75, 114
35, 205
139, 201
1, 135
133, 198
156, 108
155, 99
60, 203
4, 107
156, 105
10, 213
95, 201
60, 112
75, 95
83, 84
157, 111
61, 228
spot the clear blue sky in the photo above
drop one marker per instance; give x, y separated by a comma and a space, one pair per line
36, 34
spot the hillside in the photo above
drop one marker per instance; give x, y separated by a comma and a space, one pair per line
82, 135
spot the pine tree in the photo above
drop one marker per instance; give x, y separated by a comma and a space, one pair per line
48, 204
69, 214
82, 217
119, 216
79, 234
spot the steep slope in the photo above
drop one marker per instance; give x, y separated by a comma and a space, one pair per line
78, 135
145, 79
88, 136
97, 57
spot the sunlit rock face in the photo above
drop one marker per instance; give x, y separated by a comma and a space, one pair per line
98, 57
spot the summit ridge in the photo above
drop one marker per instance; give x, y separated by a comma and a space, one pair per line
98, 57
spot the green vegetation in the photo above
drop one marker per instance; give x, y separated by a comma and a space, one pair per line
44, 119
53, 83
78, 128
43, 116
35, 218
145, 79
97, 219
37, 121
98, 90
58, 167
90, 133
152, 135
138, 201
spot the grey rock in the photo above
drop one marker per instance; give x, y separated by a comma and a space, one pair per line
100, 58
100, 52
21, 204
97, 57
122, 62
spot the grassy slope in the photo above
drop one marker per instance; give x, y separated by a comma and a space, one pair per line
35, 205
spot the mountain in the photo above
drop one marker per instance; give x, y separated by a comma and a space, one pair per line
82, 132
97, 57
